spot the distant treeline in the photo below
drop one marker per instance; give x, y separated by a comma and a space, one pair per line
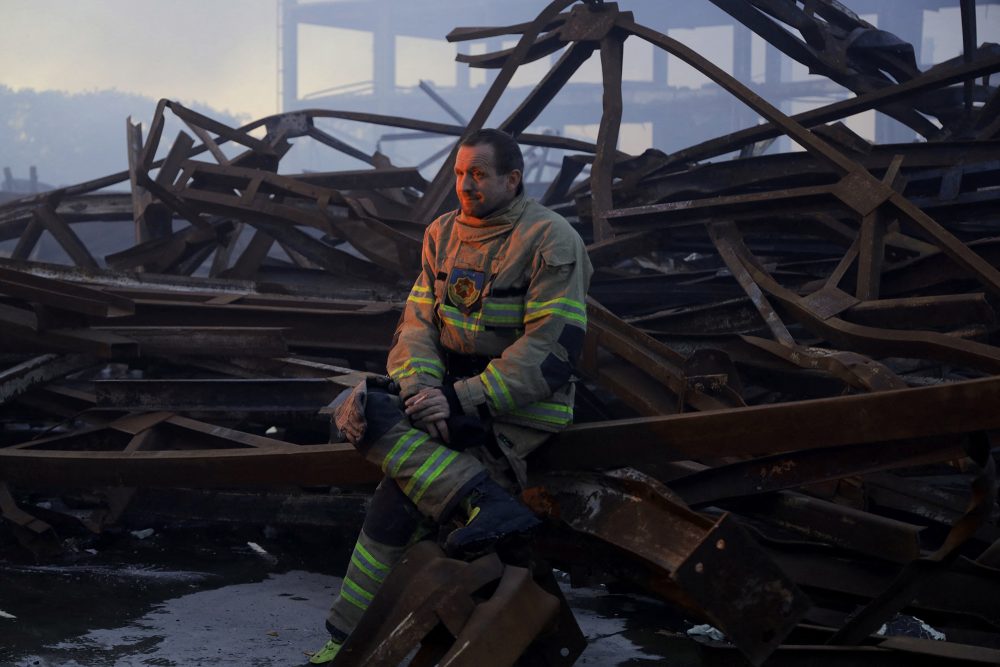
76, 137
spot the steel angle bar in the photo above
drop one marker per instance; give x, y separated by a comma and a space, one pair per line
21, 377
709, 209
152, 219
760, 302
308, 465
716, 566
229, 395
500, 629
933, 269
922, 344
204, 341
543, 46
602, 170
924, 312
546, 89
960, 592
333, 328
640, 352
387, 261
464, 34
380, 242
828, 523
795, 469
855, 370
46, 215
444, 129
238, 135
22, 223
858, 189
826, 51
103, 344
425, 589
365, 179
333, 142
922, 571
64, 295
158, 255
925, 165
950, 408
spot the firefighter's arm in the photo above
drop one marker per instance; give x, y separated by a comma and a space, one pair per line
416, 358
555, 321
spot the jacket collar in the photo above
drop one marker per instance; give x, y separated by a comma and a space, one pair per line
497, 223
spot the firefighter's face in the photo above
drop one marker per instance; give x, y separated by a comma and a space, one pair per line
481, 190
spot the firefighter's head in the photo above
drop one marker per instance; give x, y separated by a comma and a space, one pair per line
488, 172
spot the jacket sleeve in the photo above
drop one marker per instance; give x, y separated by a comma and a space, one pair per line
416, 359
555, 320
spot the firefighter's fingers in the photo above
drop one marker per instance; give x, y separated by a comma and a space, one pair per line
442, 428
429, 428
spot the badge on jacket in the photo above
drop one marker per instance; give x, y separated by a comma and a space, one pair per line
465, 286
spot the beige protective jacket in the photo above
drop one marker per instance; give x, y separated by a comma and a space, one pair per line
510, 288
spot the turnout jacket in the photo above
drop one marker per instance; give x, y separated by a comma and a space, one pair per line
507, 291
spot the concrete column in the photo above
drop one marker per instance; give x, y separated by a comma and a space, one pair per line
289, 55
384, 62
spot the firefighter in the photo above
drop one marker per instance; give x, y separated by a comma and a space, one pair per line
480, 374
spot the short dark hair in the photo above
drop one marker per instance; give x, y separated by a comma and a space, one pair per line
506, 153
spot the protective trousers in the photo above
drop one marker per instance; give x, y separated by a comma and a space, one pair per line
424, 481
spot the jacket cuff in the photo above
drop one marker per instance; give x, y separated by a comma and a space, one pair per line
454, 405
410, 385
471, 395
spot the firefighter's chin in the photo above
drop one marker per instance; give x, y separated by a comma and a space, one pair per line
470, 206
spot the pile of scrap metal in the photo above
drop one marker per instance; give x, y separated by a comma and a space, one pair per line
789, 382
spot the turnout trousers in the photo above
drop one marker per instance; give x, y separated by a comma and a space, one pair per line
424, 481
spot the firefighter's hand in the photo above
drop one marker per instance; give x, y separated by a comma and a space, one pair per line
437, 430
428, 405
428, 409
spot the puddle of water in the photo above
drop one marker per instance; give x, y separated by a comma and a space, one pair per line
212, 600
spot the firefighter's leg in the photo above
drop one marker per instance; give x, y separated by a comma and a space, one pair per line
432, 475
391, 525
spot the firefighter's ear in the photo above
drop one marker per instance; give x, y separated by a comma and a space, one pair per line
513, 180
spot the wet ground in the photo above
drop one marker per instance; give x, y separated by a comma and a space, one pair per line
248, 597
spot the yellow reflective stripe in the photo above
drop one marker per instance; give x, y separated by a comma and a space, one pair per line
415, 365
357, 589
503, 313
422, 470
377, 578
496, 388
403, 439
437, 473
547, 413
360, 548
561, 307
420, 299
561, 301
420, 289
406, 455
454, 317
349, 589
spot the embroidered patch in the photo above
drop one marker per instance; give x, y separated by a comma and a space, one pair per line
465, 286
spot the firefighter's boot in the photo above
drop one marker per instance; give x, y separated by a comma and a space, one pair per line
492, 516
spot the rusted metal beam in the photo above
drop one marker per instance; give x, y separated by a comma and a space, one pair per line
712, 566
950, 408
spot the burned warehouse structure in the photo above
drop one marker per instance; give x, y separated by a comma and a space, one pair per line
789, 390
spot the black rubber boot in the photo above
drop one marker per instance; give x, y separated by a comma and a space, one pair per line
493, 516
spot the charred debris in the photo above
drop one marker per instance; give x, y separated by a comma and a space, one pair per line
789, 392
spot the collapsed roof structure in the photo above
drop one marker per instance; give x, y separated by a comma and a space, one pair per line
788, 401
